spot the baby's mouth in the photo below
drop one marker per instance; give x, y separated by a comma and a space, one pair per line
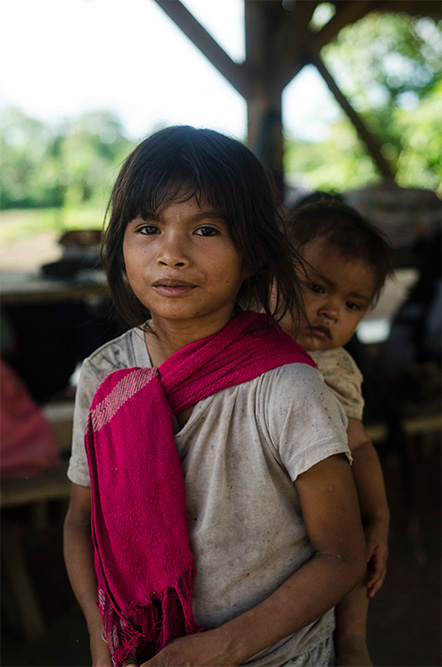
321, 332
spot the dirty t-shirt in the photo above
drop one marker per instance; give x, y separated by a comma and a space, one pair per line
343, 377
240, 451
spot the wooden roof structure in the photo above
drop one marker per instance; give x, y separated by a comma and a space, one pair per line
279, 42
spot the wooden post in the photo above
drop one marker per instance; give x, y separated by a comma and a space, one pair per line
364, 134
263, 22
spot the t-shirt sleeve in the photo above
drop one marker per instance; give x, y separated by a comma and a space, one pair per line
126, 351
305, 422
78, 469
344, 379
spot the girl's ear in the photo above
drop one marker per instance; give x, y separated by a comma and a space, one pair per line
249, 273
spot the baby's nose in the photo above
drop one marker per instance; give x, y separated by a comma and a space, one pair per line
330, 309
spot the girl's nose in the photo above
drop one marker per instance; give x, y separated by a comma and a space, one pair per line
172, 253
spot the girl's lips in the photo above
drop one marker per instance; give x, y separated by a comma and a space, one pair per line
173, 290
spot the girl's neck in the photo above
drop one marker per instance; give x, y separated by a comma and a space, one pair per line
167, 337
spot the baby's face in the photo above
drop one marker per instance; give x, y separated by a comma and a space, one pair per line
337, 294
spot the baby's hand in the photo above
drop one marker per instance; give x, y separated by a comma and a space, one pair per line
376, 535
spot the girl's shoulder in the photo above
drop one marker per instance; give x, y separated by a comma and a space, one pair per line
291, 381
300, 417
126, 351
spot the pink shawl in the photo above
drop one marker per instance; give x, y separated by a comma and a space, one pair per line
143, 561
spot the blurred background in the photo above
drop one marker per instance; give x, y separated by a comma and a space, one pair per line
340, 97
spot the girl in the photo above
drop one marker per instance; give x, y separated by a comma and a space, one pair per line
225, 524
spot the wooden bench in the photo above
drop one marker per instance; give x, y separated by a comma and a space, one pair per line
417, 425
34, 493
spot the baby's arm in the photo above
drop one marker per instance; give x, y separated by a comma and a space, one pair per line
367, 474
331, 514
78, 554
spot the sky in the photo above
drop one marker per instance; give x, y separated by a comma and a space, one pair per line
64, 57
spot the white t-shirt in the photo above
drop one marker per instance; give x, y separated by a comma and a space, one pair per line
240, 452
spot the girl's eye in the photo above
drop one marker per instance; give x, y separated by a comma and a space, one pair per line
352, 305
317, 289
148, 230
207, 231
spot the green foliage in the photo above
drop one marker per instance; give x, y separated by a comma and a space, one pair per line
93, 149
46, 166
421, 138
389, 66
338, 164
24, 146
384, 58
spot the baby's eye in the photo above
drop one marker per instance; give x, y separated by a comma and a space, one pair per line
352, 305
148, 230
314, 287
206, 231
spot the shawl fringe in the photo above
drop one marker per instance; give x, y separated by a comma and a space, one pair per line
149, 626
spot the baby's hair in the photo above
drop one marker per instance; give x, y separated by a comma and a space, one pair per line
318, 196
347, 232
180, 162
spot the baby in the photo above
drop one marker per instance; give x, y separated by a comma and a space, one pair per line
346, 264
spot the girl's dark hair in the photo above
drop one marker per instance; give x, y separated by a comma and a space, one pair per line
178, 163
344, 229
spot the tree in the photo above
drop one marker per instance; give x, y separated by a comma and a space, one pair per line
93, 146
389, 67
28, 152
47, 165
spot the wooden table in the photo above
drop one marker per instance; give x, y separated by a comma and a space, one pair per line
21, 287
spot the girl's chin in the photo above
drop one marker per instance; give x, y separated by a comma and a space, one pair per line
195, 316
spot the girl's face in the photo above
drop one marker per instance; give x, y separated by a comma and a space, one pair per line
183, 265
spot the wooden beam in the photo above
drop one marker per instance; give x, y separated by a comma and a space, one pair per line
364, 134
235, 73
292, 69
293, 29
347, 12
275, 40
292, 39
350, 11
